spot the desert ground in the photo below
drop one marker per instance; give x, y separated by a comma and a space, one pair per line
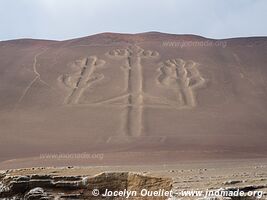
134, 98
183, 107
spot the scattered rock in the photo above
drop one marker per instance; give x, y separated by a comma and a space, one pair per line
232, 182
2, 174
36, 193
76, 187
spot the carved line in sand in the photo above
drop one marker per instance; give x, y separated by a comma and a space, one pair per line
37, 77
82, 79
133, 114
184, 78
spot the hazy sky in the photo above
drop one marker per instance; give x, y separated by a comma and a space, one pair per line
64, 19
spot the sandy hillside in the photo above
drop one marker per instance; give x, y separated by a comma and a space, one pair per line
143, 98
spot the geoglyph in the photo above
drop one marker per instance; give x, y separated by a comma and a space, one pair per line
178, 75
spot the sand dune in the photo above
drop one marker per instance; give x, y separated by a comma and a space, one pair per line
135, 98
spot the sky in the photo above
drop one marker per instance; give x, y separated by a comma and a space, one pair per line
66, 19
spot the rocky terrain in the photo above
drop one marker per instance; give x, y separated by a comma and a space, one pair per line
80, 182
52, 186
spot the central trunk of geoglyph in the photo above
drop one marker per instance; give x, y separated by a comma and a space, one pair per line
133, 114
134, 126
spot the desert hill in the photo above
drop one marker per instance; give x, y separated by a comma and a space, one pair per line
136, 98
